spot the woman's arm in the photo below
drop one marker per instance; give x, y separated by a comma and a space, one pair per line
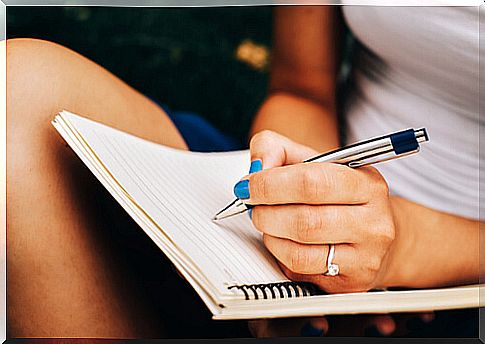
380, 241
301, 100
432, 248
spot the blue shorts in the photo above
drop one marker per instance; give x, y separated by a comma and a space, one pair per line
199, 134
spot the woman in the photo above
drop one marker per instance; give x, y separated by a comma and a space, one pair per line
418, 67
61, 267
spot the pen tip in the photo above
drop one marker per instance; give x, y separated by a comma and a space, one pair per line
215, 218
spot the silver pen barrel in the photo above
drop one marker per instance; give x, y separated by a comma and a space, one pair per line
356, 155
369, 151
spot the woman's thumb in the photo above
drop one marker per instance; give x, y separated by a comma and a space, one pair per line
272, 150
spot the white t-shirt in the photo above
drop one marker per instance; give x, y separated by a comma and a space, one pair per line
420, 68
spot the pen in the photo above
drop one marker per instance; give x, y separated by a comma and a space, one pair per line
378, 149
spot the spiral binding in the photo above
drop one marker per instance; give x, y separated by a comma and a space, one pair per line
270, 290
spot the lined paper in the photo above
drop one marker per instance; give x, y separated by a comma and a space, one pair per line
173, 195
181, 191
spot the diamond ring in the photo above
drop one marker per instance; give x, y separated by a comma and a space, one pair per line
332, 269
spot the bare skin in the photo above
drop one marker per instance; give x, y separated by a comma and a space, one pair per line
63, 278
303, 77
302, 88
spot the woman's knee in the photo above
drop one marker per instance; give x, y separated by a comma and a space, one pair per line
44, 78
35, 82
31, 62
31, 94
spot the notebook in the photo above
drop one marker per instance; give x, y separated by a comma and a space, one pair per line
173, 194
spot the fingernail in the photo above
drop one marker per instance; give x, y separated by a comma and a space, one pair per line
308, 330
241, 189
372, 332
256, 166
250, 213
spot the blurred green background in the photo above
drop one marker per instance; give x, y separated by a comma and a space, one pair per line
182, 57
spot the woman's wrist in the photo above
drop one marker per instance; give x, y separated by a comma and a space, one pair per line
431, 248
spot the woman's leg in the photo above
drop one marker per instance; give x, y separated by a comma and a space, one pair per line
63, 278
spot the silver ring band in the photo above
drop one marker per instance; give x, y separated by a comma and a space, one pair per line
332, 269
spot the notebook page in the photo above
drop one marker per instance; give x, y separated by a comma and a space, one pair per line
199, 282
181, 191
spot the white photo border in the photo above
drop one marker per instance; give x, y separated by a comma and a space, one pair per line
198, 3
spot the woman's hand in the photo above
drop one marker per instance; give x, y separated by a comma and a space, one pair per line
372, 325
303, 208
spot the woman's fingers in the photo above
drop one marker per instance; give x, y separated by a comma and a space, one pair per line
427, 317
310, 224
385, 324
276, 150
309, 259
315, 327
329, 284
288, 327
311, 183
301, 208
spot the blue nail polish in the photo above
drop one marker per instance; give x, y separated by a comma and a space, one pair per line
309, 331
256, 166
250, 213
241, 189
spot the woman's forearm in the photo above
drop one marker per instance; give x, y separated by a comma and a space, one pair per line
431, 248
300, 119
304, 65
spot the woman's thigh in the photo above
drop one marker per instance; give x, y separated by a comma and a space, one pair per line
64, 277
